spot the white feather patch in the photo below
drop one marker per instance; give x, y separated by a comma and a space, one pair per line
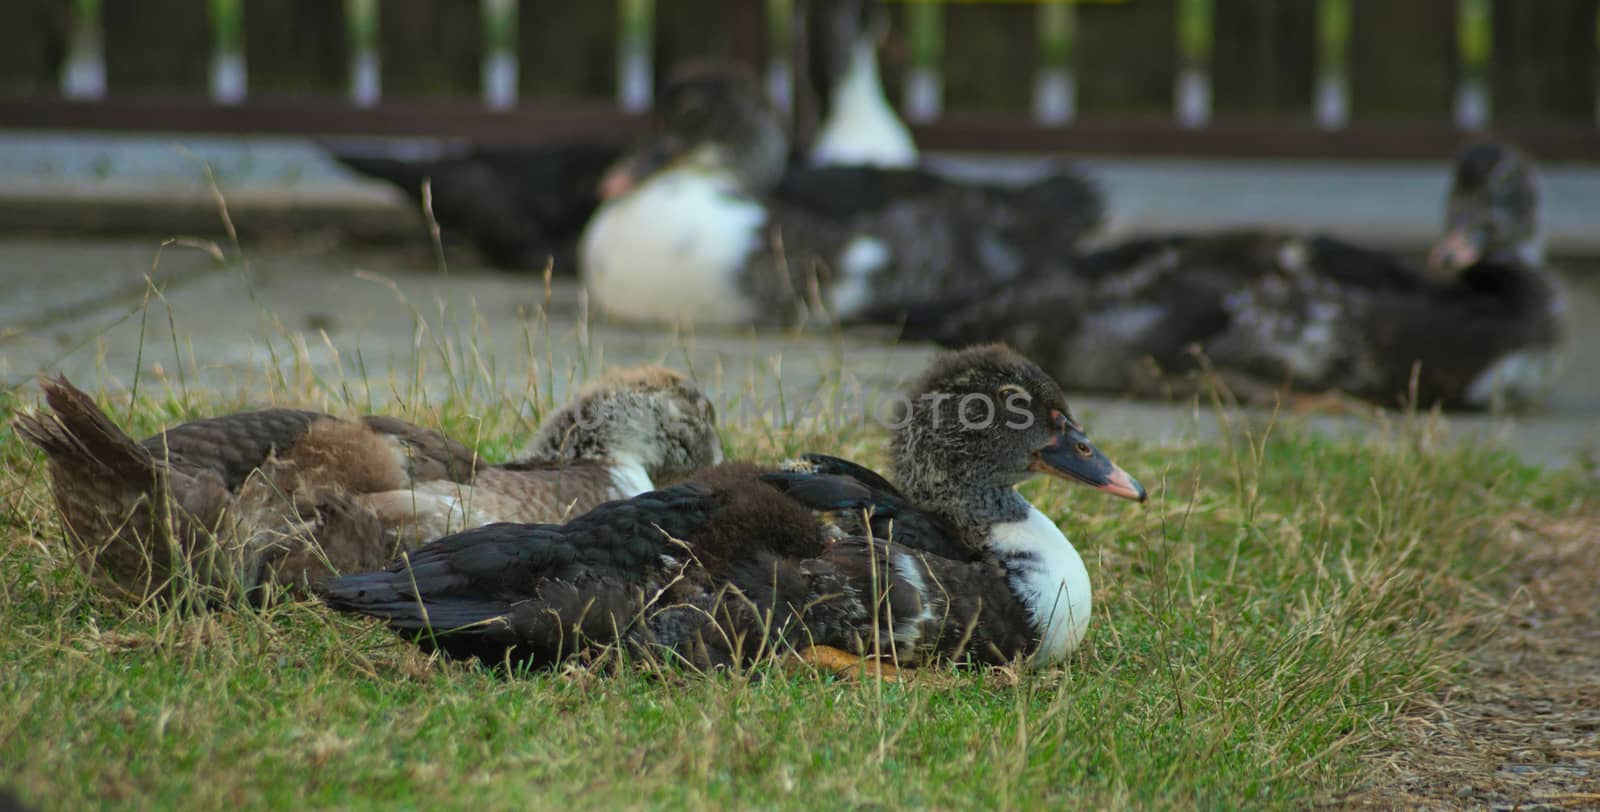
860, 261
1051, 580
672, 250
630, 479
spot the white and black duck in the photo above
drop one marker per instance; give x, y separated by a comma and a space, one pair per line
739, 561
1481, 325
701, 226
286, 496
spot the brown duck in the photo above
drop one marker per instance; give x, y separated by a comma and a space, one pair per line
238, 503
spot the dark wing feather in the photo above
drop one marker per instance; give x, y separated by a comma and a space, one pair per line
861, 501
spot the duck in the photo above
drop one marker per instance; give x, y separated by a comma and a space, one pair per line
859, 126
1480, 325
741, 560
269, 502
700, 226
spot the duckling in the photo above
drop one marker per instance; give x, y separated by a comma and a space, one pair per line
740, 561
286, 496
700, 224
1481, 325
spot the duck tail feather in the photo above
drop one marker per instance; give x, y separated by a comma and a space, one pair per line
407, 175
79, 437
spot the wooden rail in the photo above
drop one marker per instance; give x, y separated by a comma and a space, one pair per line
764, 34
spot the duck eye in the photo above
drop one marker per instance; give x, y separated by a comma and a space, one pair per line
1083, 449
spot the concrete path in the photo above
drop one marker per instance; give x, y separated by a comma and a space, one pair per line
79, 307
140, 183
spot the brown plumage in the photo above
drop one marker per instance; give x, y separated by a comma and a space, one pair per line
286, 497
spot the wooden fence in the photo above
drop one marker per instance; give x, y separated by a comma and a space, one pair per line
763, 33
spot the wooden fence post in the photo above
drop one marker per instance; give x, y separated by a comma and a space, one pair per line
1055, 88
83, 76
635, 42
361, 29
1474, 47
499, 77
228, 80
924, 93
1333, 64
1195, 31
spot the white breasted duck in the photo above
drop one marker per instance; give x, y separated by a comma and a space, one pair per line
287, 496
701, 225
738, 561
859, 126
1482, 325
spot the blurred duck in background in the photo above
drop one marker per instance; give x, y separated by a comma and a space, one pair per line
525, 206
701, 225
1481, 326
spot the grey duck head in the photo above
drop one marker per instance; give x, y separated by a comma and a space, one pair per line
648, 415
711, 117
984, 419
1492, 213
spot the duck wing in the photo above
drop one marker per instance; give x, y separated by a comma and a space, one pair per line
537, 592
869, 596
936, 238
859, 502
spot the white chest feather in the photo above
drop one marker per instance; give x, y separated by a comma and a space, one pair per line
630, 479
861, 127
672, 250
1050, 578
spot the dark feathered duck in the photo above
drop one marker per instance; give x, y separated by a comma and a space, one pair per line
287, 496
1480, 325
741, 561
701, 224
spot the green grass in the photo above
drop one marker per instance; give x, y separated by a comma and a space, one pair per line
1259, 623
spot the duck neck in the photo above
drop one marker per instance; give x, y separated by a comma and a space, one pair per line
1047, 576
861, 88
1043, 569
860, 126
629, 476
